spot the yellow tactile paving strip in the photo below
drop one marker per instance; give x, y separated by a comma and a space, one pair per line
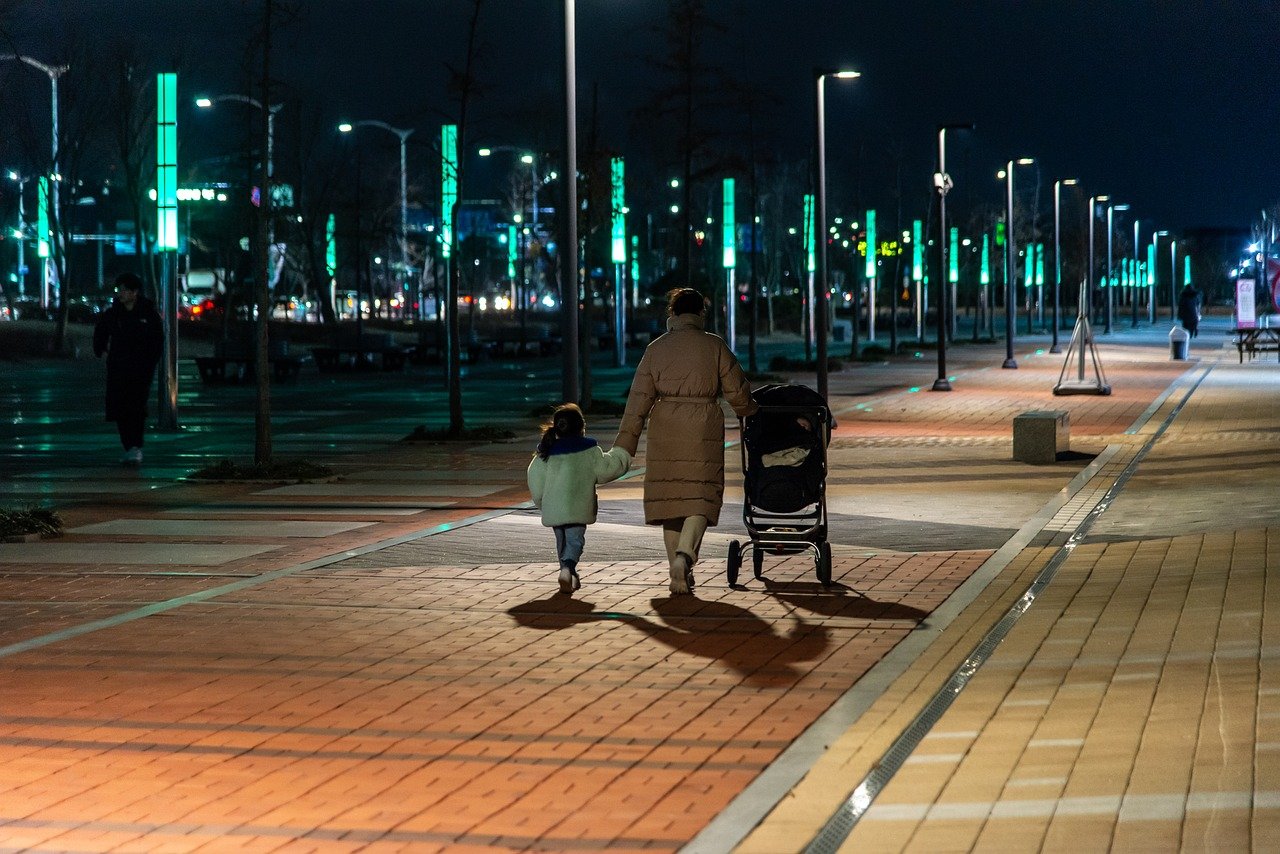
1135, 706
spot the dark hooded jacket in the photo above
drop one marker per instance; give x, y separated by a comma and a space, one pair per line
133, 341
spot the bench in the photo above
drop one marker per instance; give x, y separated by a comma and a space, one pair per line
1040, 435
1257, 340
361, 352
232, 361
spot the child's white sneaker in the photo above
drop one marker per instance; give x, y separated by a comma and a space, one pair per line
569, 580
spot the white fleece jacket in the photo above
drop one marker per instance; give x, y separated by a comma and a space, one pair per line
564, 484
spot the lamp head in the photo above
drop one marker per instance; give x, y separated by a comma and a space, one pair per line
204, 103
13, 176
1069, 182
485, 152
345, 127
526, 158
847, 75
1026, 161
1124, 207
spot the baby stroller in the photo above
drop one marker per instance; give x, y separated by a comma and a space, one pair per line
784, 467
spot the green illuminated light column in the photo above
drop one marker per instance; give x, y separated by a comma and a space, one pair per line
1040, 281
730, 261
618, 254
984, 279
917, 273
167, 240
42, 221
811, 264
331, 260
871, 272
953, 277
448, 186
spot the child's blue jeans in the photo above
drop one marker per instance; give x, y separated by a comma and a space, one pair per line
569, 542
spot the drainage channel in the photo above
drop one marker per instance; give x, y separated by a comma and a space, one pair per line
842, 822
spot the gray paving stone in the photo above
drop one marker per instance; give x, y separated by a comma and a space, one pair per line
215, 528
142, 554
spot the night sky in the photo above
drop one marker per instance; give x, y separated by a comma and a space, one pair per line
1167, 104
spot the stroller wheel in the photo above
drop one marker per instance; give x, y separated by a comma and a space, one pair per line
824, 563
757, 561
735, 562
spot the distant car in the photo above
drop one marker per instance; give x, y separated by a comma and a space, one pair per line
29, 309
83, 311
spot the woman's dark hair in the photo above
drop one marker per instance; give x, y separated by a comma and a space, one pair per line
566, 421
685, 301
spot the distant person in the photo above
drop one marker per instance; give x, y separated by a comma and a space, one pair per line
1189, 309
131, 335
562, 480
676, 389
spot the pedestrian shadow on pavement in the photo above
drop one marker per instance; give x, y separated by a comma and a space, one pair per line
835, 601
748, 644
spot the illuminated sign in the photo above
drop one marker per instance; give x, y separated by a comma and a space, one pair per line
871, 243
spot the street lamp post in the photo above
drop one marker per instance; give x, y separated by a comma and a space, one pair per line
403, 134
1133, 279
20, 234
54, 72
1152, 278
207, 103
1087, 311
1110, 284
570, 388
1010, 262
820, 225
942, 183
1057, 256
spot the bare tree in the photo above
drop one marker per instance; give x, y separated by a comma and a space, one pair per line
465, 87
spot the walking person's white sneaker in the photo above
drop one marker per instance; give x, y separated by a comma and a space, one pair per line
132, 457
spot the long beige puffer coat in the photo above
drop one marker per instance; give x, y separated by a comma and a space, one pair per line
676, 388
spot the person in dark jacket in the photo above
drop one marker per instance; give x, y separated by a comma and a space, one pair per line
131, 335
1189, 309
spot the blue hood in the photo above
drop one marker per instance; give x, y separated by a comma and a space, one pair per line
572, 445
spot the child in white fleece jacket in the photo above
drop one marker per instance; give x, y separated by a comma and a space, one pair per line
562, 480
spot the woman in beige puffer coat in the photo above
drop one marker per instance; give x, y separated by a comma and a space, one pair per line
676, 389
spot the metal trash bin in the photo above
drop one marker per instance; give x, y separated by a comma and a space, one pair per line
1179, 342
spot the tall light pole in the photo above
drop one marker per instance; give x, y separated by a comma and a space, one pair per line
206, 103
1010, 262
54, 72
820, 224
1133, 280
942, 184
1151, 273
1057, 256
20, 234
1091, 272
403, 134
570, 388
1110, 261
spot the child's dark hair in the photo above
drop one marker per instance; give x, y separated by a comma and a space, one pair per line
685, 301
567, 420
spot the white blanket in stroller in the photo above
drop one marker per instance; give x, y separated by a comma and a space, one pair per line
786, 457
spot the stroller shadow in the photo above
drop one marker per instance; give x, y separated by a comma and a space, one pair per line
834, 601
747, 644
